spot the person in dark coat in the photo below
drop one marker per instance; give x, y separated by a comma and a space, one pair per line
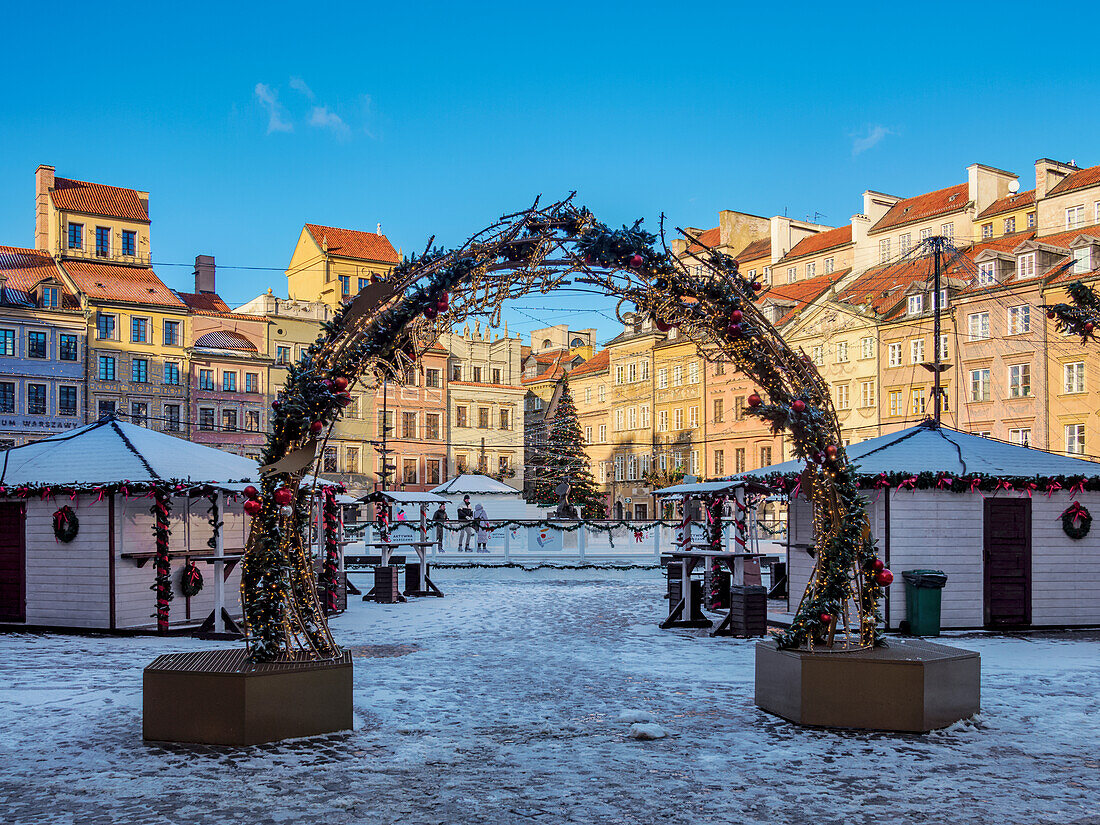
439, 517
466, 517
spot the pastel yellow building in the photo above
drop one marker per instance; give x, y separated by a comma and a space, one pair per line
588, 382
332, 265
630, 399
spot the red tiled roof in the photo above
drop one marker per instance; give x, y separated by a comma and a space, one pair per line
600, 361
554, 369
829, 239
204, 302
129, 284
1077, 180
225, 339
708, 238
23, 270
351, 243
922, 207
99, 199
755, 250
1021, 200
802, 293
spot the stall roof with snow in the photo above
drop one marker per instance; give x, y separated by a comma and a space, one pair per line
700, 489
402, 497
474, 484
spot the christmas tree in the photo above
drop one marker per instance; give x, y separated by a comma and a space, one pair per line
563, 458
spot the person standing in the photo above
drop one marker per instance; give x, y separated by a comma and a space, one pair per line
466, 519
481, 519
439, 518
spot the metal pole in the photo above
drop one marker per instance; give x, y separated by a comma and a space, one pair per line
937, 247
219, 567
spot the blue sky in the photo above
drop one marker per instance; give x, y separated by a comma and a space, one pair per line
436, 118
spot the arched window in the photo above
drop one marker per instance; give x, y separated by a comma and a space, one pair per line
547, 343
576, 342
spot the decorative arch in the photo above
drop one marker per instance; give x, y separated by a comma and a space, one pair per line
540, 249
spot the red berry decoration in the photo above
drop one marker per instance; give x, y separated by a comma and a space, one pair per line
754, 400
316, 427
1051, 314
736, 316
253, 507
826, 618
1088, 326
884, 577
831, 452
340, 383
284, 495
327, 384
636, 261
251, 492
798, 405
878, 565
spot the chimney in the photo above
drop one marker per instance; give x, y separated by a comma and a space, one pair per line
43, 183
379, 228
1048, 174
204, 274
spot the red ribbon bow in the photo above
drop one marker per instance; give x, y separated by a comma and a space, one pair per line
1079, 487
909, 483
1076, 511
1052, 488
945, 481
99, 497
1002, 485
974, 483
1031, 487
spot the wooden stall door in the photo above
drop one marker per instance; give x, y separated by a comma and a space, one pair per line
13, 563
1007, 562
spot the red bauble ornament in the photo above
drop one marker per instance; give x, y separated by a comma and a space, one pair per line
636, 261
327, 384
1088, 326
878, 565
316, 427
251, 492
253, 507
754, 400
663, 326
443, 302
884, 577
757, 286
826, 618
276, 404
798, 405
284, 495
831, 452
1051, 314
343, 398
736, 316
341, 383
430, 312
734, 330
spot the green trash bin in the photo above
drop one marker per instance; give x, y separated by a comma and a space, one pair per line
923, 589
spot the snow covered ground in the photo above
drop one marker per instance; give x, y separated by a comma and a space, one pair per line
513, 701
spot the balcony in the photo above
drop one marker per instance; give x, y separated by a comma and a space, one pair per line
112, 257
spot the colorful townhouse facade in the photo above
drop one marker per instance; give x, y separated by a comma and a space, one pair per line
332, 265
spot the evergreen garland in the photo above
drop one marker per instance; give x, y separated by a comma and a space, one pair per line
564, 459
162, 585
331, 564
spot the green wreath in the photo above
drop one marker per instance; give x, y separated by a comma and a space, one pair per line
65, 524
1076, 521
191, 580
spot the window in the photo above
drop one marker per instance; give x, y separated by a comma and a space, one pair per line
620, 420
987, 231
841, 352
408, 425
895, 402
477, 375
345, 285
603, 433
678, 418
434, 472
765, 456
925, 234
619, 467
916, 351
1075, 217
693, 372
36, 399
977, 324
677, 376
662, 379
645, 371
36, 345
66, 400
1020, 436
792, 274
328, 460
1025, 266
171, 333
1010, 226
229, 382
139, 413
66, 347
894, 358
460, 417
986, 274
828, 266
106, 408
631, 467
602, 393
1075, 439
51, 297
129, 242
719, 463
504, 465
1020, 381
139, 371
739, 460
943, 347
720, 366
916, 304
866, 347
587, 395
385, 422
7, 397
841, 392
106, 368
918, 399
76, 236
867, 394
1019, 319
693, 417
587, 435
431, 426
719, 411
818, 356
1030, 220
432, 379
282, 355
1074, 377
884, 250
171, 372
632, 418
1081, 262
905, 243
811, 269
7, 342
948, 230
103, 241
631, 372
408, 470
251, 382
460, 464
767, 276
229, 420
662, 421
139, 330
496, 376
483, 418
979, 385
695, 462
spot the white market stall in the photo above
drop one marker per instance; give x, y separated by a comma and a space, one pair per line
111, 475
987, 513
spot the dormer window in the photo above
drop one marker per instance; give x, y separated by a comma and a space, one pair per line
828, 266
916, 304
1081, 262
986, 276
1025, 265
51, 297
1086, 254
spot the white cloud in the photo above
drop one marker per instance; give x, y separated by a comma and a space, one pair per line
299, 85
874, 136
276, 116
323, 118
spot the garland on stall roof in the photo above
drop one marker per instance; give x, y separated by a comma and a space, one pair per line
330, 566
162, 506
961, 483
572, 526
127, 489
